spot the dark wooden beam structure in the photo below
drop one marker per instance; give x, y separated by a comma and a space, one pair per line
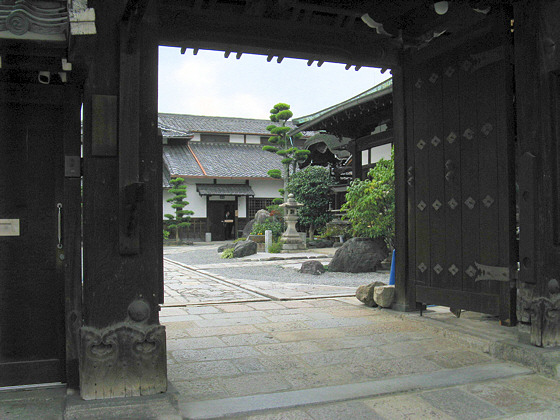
123, 264
316, 32
451, 116
537, 69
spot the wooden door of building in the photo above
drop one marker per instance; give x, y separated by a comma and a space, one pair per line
460, 185
32, 337
220, 229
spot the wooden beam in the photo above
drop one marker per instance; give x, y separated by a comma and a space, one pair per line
374, 140
254, 35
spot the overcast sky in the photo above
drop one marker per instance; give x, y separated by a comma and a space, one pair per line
209, 84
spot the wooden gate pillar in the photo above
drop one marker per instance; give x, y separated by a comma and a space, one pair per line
537, 74
405, 297
122, 344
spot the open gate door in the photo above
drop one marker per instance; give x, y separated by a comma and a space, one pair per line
460, 177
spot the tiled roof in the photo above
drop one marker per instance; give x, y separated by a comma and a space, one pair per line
166, 177
220, 160
189, 124
180, 161
224, 189
308, 122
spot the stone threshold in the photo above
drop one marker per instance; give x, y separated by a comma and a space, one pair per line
497, 341
253, 404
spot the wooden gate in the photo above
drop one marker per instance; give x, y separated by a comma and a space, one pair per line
460, 184
32, 338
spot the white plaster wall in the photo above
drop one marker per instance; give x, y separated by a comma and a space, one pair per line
365, 157
262, 189
383, 151
196, 202
253, 139
236, 138
266, 189
196, 137
242, 207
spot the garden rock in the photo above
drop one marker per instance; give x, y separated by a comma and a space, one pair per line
320, 243
384, 295
244, 248
248, 228
223, 247
365, 293
312, 267
359, 255
261, 216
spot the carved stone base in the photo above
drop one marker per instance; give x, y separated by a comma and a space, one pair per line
123, 360
542, 313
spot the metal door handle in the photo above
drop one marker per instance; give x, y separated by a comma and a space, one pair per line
59, 207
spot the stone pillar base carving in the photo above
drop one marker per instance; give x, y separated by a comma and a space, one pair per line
123, 360
543, 314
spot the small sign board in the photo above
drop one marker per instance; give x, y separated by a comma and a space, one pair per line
9, 227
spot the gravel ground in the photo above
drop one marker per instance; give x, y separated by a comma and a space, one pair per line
204, 255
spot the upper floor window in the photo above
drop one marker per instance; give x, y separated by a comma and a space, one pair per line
214, 138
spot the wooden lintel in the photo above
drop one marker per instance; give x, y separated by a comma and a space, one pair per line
374, 140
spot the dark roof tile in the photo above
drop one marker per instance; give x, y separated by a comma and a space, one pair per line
224, 189
202, 124
220, 160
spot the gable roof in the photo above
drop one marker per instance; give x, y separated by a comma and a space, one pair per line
189, 124
219, 160
373, 97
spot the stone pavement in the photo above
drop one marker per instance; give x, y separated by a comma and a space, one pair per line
196, 284
335, 358
248, 351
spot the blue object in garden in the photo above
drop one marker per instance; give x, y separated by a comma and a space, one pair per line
392, 275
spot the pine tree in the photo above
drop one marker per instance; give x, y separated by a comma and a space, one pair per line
181, 218
283, 145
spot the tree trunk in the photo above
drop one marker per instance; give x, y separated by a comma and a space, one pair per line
286, 179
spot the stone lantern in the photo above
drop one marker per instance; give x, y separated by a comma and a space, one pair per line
291, 238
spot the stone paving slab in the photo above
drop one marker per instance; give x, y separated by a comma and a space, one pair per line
183, 286
450, 400
187, 285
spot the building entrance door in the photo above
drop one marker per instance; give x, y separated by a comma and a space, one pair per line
32, 343
222, 226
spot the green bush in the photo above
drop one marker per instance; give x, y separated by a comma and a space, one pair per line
311, 187
338, 230
275, 247
228, 253
370, 203
273, 225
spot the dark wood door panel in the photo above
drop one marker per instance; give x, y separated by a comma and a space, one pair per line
477, 302
31, 279
461, 203
30, 315
30, 372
